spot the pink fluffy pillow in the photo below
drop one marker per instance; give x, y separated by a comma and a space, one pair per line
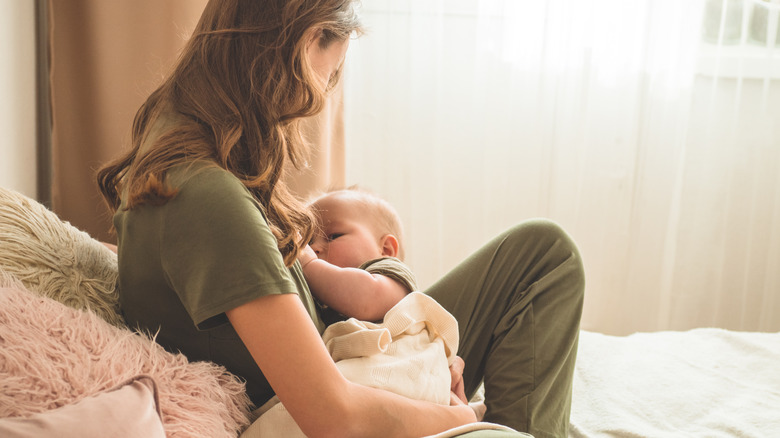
52, 355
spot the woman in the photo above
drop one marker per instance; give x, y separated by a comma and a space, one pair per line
209, 239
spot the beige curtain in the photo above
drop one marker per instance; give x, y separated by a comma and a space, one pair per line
107, 56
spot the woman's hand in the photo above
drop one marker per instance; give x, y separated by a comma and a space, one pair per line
457, 392
470, 414
456, 373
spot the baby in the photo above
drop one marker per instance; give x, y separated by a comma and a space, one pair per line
353, 265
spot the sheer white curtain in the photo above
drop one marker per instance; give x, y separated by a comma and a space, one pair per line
643, 127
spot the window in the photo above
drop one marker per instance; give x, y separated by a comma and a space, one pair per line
740, 39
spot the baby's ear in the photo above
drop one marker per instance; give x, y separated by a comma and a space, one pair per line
389, 244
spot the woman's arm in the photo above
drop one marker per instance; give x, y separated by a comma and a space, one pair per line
288, 349
352, 292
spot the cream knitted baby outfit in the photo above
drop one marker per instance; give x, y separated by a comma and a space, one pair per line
408, 353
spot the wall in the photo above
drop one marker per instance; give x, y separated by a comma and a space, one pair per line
17, 96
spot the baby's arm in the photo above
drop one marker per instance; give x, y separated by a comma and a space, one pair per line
350, 291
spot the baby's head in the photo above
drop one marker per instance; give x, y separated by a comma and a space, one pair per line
355, 227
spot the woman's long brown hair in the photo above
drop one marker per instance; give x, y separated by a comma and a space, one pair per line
239, 88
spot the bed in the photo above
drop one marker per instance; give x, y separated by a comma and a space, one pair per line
705, 382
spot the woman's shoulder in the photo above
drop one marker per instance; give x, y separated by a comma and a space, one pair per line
203, 175
205, 188
202, 180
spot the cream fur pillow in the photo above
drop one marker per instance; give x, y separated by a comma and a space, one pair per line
52, 355
55, 259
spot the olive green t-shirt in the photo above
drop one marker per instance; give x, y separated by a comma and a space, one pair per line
186, 262
393, 268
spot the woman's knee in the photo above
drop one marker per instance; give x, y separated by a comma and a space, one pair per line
544, 239
540, 231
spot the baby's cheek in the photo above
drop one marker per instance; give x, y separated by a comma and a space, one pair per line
336, 257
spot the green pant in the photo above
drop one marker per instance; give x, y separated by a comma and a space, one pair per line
518, 302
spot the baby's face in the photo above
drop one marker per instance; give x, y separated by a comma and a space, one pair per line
346, 238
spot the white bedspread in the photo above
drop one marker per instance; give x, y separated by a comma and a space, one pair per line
699, 383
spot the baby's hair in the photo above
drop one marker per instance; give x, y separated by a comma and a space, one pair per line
386, 216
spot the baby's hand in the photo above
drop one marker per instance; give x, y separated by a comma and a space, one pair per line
306, 256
